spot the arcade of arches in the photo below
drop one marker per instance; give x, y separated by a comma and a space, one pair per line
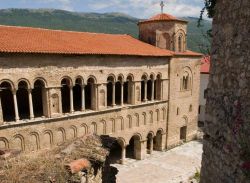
24, 102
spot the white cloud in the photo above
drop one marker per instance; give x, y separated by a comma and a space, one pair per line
147, 8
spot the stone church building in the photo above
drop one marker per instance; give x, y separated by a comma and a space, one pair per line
58, 85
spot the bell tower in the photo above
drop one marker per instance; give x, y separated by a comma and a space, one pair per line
164, 31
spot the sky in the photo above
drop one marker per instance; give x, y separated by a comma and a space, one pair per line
136, 8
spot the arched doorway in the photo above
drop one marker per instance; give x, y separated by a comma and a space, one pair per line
133, 150
90, 94
118, 91
7, 102
128, 90
77, 95
65, 92
115, 154
158, 145
38, 97
23, 100
110, 91
150, 143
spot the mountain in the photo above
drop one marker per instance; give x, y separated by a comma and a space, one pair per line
114, 23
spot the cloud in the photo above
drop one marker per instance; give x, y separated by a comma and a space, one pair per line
145, 9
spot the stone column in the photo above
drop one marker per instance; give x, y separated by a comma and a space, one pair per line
71, 100
113, 94
15, 105
153, 90
31, 104
122, 93
83, 98
151, 145
123, 155
145, 91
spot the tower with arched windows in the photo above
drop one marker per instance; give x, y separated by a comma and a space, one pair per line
164, 31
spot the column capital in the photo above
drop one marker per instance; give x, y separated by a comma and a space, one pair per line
14, 91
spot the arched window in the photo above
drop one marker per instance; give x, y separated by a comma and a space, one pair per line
110, 91
38, 96
65, 93
128, 90
186, 81
7, 102
23, 100
178, 111
77, 94
90, 94
180, 42
158, 88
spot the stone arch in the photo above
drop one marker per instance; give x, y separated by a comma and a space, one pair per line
22, 96
180, 40
137, 120
134, 149
186, 79
18, 142
68, 79
158, 140
83, 130
130, 77
48, 139
93, 128
72, 133
150, 142
92, 77
120, 78
61, 135
102, 128
39, 96
4, 143
40, 79
129, 123
34, 141
90, 93
144, 118
11, 83
26, 81
151, 117
164, 114
158, 87
157, 115
79, 80
7, 101
111, 80
113, 126
119, 124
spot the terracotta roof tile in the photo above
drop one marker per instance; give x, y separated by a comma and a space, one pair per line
162, 17
35, 40
205, 65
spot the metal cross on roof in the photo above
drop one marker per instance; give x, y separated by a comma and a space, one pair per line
162, 6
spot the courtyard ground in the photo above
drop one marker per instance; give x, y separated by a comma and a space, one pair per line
173, 166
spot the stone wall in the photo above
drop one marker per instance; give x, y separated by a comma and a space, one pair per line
226, 156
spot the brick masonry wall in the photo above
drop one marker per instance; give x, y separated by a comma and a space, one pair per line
227, 126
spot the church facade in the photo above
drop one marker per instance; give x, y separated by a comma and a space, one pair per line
60, 85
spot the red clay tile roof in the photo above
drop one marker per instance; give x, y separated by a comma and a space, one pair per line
205, 65
162, 17
34, 40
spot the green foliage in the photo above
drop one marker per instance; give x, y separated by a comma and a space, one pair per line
114, 23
